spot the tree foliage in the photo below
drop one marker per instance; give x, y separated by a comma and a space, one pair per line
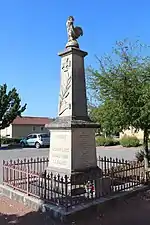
122, 88
10, 106
107, 116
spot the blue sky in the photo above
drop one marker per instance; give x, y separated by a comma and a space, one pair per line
32, 32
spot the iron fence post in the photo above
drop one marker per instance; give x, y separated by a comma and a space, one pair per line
28, 179
45, 184
66, 193
3, 171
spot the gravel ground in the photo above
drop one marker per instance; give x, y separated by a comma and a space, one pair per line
132, 211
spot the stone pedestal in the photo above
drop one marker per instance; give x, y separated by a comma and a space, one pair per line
103, 186
72, 143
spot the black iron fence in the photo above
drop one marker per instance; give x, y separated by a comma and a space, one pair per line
31, 177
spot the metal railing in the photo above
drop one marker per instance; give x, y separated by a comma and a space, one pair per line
31, 177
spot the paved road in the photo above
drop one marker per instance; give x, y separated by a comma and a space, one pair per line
114, 152
21, 154
118, 152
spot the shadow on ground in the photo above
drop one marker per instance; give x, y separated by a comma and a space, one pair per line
132, 211
10, 147
35, 218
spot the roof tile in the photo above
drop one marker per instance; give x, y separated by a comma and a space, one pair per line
29, 120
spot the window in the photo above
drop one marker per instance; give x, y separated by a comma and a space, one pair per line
44, 135
34, 136
33, 129
31, 136
42, 128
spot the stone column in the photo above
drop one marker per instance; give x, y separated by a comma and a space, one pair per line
72, 99
72, 144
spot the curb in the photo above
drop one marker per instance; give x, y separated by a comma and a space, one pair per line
11, 147
58, 213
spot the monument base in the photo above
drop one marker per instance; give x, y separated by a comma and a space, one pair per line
77, 181
78, 177
72, 146
72, 149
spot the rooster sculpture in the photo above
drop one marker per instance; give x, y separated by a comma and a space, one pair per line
73, 33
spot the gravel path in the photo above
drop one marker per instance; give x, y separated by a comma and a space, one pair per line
132, 211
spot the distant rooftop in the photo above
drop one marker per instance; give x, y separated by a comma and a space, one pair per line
29, 120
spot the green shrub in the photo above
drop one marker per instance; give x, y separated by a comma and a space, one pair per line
129, 141
100, 141
17, 140
9, 141
108, 141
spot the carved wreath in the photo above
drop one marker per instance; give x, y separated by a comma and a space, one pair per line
64, 94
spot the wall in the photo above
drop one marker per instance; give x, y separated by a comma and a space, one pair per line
23, 130
7, 132
132, 132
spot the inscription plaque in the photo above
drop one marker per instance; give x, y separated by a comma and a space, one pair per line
84, 143
60, 152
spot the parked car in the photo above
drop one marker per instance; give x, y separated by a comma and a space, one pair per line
37, 140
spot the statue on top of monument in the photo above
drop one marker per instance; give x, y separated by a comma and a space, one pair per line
73, 33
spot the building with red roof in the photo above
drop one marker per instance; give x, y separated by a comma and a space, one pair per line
22, 126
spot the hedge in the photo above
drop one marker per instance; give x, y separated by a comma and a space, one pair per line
129, 141
108, 141
10, 140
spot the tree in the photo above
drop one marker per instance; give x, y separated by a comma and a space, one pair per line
107, 116
10, 106
123, 80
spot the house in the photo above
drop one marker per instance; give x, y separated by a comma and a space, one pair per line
22, 126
